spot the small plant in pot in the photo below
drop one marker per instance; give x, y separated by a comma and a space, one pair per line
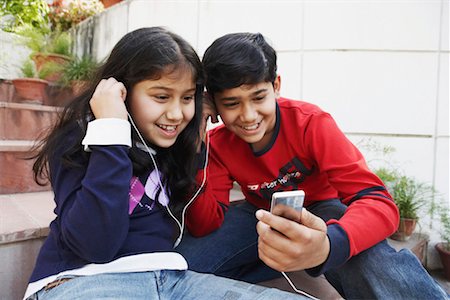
443, 247
53, 47
410, 196
31, 87
77, 72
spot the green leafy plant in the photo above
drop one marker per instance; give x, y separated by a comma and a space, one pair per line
445, 227
29, 70
409, 194
17, 13
57, 42
79, 69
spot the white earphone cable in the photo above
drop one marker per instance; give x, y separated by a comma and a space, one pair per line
183, 214
180, 225
297, 290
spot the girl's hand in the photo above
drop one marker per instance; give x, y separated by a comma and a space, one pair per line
108, 100
292, 246
209, 110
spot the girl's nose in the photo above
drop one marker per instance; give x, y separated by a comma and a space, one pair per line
174, 112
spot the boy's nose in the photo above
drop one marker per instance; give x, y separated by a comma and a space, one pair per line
248, 114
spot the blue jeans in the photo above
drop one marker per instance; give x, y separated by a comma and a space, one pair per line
159, 285
379, 272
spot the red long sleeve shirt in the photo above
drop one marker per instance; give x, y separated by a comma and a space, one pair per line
309, 152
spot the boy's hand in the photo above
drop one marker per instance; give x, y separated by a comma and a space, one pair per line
286, 246
108, 100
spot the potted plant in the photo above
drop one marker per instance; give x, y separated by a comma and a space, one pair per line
443, 247
109, 3
77, 72
409, 195
52, 47
32, 86
64, 14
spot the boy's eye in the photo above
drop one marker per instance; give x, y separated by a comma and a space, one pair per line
259, 98
161, 97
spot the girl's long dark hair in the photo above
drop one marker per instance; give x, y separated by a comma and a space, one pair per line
146, 53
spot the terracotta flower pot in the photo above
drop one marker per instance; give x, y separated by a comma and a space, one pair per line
444, 254
31, 89
58, 61
405, 229
109, 3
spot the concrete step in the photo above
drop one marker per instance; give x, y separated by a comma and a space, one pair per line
24, 224
21, 125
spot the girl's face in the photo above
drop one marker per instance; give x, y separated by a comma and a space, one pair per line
163, 108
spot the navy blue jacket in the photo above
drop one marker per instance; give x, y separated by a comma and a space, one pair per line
93, 224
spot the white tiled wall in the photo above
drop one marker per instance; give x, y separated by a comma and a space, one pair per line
443, 109
180, 16
280, 21
374, 92
379, 25
289, 70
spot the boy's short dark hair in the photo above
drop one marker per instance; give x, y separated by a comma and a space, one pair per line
239, 58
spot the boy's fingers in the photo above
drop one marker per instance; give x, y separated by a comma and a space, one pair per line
288, 227
312, 221
285, 226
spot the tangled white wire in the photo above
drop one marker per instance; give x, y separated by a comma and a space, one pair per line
182, 224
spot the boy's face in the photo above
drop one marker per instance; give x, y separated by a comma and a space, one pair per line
249, 111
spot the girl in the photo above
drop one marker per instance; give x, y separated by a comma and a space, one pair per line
119, 186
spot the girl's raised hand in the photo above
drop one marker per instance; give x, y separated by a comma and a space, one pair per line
108, 100
208, 110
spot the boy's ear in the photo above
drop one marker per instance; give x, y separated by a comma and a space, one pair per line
277, 86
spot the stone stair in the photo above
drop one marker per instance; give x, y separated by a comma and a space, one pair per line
26, 208
22, 123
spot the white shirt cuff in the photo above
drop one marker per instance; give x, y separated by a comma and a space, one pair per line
107, 131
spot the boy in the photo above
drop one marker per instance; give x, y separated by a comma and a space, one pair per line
271, 144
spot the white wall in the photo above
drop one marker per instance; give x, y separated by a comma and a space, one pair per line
379, 67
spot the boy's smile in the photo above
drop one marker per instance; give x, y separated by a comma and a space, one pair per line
249, 111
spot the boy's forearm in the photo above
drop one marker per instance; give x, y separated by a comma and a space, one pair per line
206, 213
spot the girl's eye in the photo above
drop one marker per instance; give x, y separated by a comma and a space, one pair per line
188, 98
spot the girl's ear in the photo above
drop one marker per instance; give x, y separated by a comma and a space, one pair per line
277, 86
